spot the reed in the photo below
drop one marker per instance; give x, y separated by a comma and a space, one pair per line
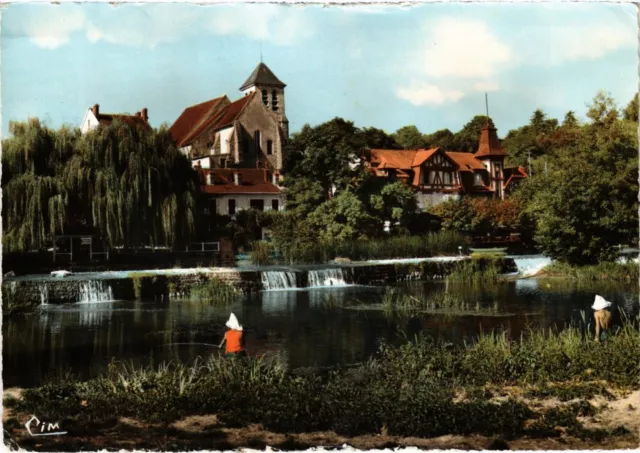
626, 272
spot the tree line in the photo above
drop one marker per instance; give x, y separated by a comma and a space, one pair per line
133, 187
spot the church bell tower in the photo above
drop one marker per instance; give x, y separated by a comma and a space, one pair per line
271, 91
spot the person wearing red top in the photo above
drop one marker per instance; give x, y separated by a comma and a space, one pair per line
233, 338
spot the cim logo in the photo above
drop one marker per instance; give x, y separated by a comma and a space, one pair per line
38, 428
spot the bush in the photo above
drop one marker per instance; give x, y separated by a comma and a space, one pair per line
261, 253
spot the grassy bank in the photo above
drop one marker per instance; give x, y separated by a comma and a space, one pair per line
622, 272
432, 244
424, 388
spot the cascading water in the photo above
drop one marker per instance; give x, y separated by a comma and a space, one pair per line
530, 265
278, 280
44, 294
95, 291
329, 277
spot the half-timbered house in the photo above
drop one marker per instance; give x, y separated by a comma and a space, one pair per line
438, 175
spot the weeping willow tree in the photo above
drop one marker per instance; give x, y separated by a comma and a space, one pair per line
127, 184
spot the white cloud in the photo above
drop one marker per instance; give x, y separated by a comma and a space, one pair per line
486, 85
421, 93
586, 42
463, 48
53, 29
149, 25
282, 25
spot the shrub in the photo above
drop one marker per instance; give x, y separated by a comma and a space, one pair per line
261, 253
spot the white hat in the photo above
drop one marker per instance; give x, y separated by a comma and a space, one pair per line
600, 303
233, 323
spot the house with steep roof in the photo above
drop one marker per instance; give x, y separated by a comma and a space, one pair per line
438, 175
93, 118
247, 133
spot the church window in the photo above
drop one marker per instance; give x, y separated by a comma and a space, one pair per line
265, 97
274, 101
257, 141
269, 147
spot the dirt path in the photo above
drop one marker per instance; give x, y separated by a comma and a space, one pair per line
206, 433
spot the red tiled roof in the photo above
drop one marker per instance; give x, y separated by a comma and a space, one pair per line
489, 144
195, 120
465, 161
422, 155
193, 116
107, 118
252, 181
391, 158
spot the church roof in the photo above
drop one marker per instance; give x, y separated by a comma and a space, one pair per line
262, 75
206, 116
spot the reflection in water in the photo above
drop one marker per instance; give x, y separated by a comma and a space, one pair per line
304, 327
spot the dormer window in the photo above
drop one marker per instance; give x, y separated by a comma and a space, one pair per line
265, 97
477, 179
274, 100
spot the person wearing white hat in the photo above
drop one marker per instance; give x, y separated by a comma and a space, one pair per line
233, 338
601, 315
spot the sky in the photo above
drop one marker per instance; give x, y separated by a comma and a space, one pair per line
383, 66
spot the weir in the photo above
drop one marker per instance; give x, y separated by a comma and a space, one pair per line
330, 277
278, 280
529, 265
95, 291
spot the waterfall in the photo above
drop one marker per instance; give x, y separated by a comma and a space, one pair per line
95, 291
329, 277
530, 265
44, 295
278, 280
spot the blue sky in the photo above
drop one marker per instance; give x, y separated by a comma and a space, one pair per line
427, 65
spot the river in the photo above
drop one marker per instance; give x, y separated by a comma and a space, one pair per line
328, 324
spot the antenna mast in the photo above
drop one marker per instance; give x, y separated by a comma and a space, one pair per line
486, 103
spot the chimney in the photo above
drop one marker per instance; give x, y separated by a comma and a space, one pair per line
265, 175
210, 178
145, 114
237, 180
96, 110
138, 114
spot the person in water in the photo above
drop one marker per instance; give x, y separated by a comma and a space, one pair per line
602, 317
233, 339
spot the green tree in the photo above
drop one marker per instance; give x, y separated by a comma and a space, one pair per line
344, 217
631, 110
467, 139
328, 154
373, 138
303, 195
409, 137
129, 185
602, 110
443, 138
396, 204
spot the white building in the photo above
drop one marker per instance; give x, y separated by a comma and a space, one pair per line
94, 118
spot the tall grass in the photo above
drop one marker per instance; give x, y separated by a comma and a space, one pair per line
397, 301
409, 390
481, 269
261, 253
602, 271
432, 244
214, 289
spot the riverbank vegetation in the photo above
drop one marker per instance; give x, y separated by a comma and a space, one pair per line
424, 388
607, 271
396, 301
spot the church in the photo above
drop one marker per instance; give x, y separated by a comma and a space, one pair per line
237, 147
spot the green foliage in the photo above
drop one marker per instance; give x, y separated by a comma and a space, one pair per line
480, 215
261, 253
631, 110
214, 289
344, 217
409, 137
605, 271
478, 269
128, 185
583, 201
396, 301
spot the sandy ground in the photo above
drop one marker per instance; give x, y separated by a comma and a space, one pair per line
206, 433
